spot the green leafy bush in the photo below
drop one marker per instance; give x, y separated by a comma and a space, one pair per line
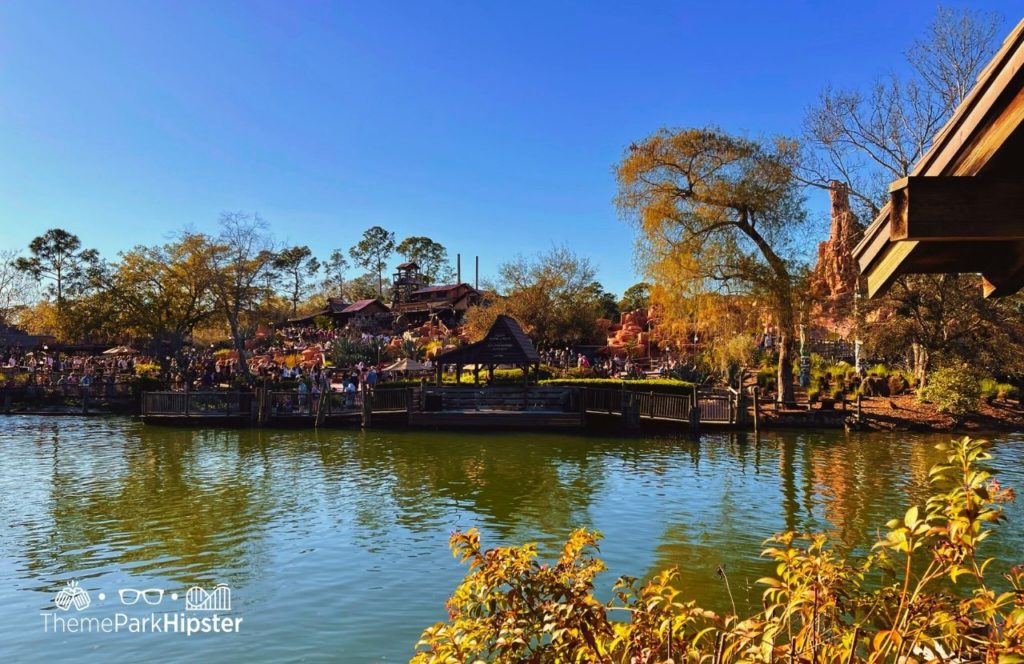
879, 371
893, 605
988, 389
953, 389
1006, 391
143, 369
501, 377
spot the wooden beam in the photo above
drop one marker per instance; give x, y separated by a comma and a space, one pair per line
1009, 279
952, 208
880, 275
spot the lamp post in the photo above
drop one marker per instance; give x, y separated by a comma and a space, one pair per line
856, 324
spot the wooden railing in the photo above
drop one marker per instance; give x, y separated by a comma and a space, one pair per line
715, 407
391, 399
651, 405
535, 398
198, 404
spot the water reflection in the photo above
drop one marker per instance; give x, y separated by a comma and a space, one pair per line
338, 538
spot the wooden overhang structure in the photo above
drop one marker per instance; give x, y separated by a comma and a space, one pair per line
505, 343
962, 208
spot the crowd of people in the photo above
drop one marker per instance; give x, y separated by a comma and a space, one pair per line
286, 359
609, 366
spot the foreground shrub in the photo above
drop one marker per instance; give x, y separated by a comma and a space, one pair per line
954, 390
988, 389
1007, 391
892, 606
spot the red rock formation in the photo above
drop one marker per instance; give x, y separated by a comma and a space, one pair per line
835, 275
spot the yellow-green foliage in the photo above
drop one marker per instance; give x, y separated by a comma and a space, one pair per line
1007, 391
879, 371
147, 369
659, 385
954, 390
891, 606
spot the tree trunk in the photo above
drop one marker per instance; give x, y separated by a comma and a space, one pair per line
785, 373
920, 363
243, 363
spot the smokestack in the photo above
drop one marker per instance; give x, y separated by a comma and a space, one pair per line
476, 280
458, 268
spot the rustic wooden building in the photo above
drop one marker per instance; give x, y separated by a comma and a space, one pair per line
333, 310
962, 208
447, 303
505, 344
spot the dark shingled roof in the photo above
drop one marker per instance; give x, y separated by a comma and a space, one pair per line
359, 306
505, 343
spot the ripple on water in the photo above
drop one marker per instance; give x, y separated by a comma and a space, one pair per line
335, 544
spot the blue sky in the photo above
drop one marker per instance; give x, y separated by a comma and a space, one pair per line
491, 127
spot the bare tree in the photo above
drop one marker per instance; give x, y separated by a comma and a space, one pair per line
16, 286
867, 139
243, 256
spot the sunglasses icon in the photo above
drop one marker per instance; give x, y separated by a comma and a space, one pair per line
151, 596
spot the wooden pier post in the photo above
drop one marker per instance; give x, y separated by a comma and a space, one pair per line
321, 406
757, 409
367, 409
695, 412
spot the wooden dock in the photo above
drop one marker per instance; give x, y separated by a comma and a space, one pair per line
447, 407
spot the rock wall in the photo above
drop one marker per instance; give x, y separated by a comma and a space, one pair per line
835, 275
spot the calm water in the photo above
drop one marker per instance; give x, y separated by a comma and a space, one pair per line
334, 544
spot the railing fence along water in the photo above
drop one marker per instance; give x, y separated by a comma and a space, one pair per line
714, 407
391, 399
197, 404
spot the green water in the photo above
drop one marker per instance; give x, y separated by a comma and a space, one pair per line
334, 544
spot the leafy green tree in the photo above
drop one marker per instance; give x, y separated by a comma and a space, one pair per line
636, 297
373, 251
607, 305
57, 256
335, 270
720, 213
295, 265
164, 292
553, 295
432, 257
363, 287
